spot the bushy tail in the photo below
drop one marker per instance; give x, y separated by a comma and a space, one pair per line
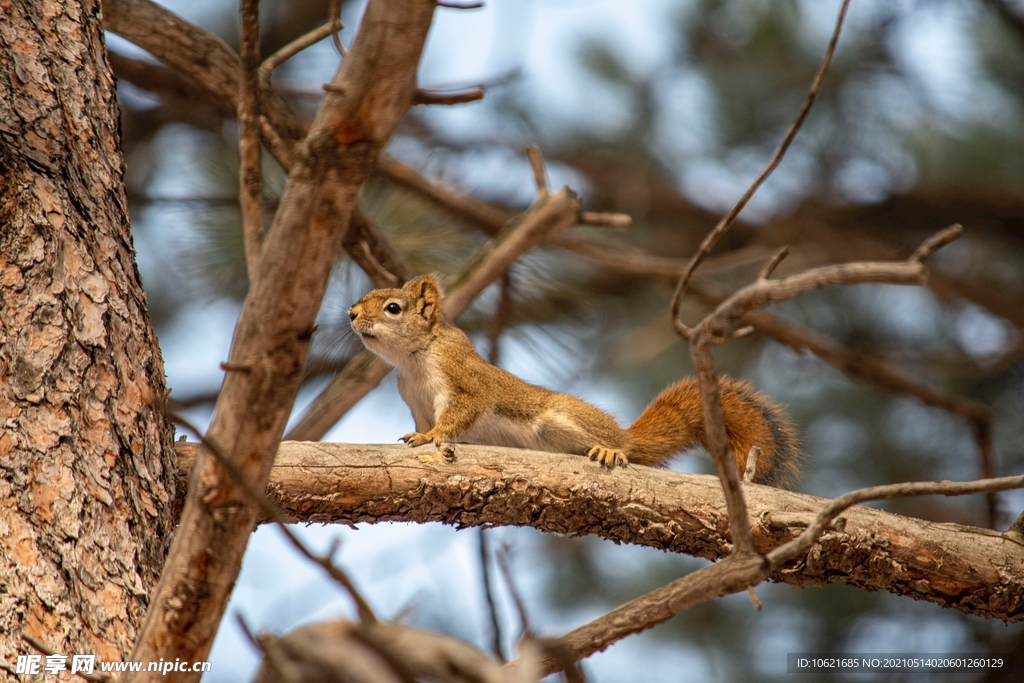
674, 422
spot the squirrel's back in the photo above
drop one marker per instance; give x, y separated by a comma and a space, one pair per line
674, 422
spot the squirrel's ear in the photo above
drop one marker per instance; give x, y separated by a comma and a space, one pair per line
426, 292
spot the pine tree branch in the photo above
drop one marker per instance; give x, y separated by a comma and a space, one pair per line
974, 570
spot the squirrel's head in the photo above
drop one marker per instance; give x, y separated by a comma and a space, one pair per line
393, 323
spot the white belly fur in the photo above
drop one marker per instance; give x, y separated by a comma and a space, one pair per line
493, 430
549, 432
424, 393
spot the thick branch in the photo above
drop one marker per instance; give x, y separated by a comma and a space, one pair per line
272, 335
974, 570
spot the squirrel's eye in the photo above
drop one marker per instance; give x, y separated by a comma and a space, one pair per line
393, 308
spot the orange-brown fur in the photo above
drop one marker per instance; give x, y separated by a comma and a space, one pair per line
674, 421
455, 395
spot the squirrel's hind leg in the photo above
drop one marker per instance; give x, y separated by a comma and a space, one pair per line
569, 425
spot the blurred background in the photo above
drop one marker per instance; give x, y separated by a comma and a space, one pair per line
666, 110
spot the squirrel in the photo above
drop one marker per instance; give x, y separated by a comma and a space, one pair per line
455, 395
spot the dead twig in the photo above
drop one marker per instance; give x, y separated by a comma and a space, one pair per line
533, 153
729, 218
334, 12
250, 180
504, 561
500, 320
298, 45
423, 96
492, 609
615, 221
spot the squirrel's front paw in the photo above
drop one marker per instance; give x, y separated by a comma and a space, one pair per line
608, 457
416, 439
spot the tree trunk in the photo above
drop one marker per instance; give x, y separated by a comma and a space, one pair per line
86, 463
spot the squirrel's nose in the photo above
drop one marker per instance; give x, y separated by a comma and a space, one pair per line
352, 314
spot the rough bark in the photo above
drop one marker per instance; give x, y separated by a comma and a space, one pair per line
86, 465
977, 571
369, 95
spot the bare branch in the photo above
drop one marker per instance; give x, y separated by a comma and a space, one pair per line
718, 340
492, 608
250, 180
770, 267
334, 11
169, 82
278, 146
539, 174
423, 96
829, 512
383, 653
729, 218
764, 292
936, 241
369, 247
616, 221
504, 561
198, 54
463, 206
298, 45
455, 5
754, 600
717, 443
739, 572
